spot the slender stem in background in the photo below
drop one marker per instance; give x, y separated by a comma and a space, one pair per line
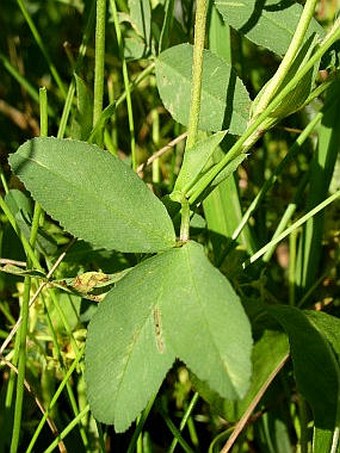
72, 88
292, 266
271, 181
99, 60
29, 88
126, 84
42, 47
287, 216
43, 112
111, 108
197, 71
185, 420
155, 139
140, 425
3, 181
54, 400
250, 409
21, 367
68, 429
27, 246
161, 151
294, 47
293, 227
26, 299
166, 27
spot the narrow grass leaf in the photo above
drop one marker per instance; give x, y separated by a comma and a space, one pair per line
225, 103
175, 304
261, 21
94, 195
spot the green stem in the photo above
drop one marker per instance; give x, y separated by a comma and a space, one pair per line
140, 425
27, 246
99, 60
195, 106
185, 420
54, 400
31, 91
292, 266
43, 112
197, 72
126, 84
72, 85
185, 221
278, 170
289, 57
42, 47
111, 108
26, 299
21, 367
68, 429
293, 227
258, 126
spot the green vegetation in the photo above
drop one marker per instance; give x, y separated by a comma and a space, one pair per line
169, 244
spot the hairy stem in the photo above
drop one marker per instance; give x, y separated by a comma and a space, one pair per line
99, 60
197, 72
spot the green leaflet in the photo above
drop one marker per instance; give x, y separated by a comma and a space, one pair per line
269, 353
175, 304
225, 102
267, 23
94, 195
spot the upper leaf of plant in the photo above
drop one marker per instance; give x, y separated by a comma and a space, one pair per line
225, 103
175, 304
261, 21
94, 195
